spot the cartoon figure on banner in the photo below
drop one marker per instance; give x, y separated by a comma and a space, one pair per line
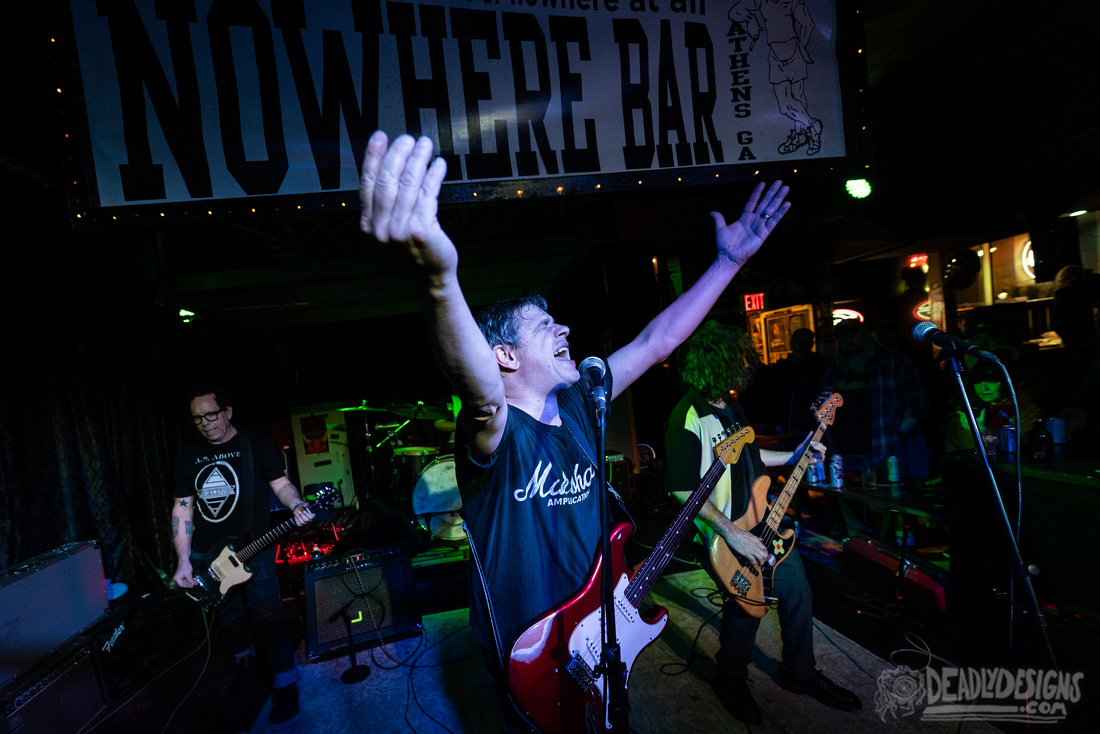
787, 27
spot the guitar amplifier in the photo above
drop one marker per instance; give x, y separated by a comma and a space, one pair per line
46, 601
61, 694
374, 588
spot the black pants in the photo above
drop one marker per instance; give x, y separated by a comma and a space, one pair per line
266, 602
796, 616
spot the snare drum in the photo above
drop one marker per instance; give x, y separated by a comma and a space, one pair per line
409, 463
436, 501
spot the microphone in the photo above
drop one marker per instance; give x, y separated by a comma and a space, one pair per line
593, 370
927, 330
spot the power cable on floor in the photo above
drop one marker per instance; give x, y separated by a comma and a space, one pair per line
714, 597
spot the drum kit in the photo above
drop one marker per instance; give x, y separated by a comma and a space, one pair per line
420, 478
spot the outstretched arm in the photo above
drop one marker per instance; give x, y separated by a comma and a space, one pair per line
737, 242
399, 193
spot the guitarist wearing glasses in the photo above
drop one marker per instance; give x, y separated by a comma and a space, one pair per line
716, 361
222, 489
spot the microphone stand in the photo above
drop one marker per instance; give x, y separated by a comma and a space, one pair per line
953, 364
356, 672
615, 699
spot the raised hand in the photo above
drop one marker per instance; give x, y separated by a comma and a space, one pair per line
741, 239
399, 194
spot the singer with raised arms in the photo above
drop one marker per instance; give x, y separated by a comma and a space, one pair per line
525, 442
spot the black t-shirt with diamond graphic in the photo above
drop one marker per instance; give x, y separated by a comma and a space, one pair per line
214, 473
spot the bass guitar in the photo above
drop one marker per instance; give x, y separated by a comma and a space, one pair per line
227, 565
748, 583
552, 667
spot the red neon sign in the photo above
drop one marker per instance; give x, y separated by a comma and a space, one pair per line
754, 302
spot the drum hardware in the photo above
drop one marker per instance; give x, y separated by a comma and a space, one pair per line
417, 411
364, 407
436, 501
342, 428
392, 429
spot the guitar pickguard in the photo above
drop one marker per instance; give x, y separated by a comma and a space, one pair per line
634, 635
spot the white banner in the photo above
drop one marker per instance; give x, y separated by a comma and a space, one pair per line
188, 101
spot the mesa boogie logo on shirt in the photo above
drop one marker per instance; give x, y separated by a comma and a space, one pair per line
216, 485
565, 489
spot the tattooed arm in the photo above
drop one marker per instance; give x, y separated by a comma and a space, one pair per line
183, 511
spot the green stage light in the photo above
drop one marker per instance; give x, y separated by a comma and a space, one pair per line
858, 187
186, 316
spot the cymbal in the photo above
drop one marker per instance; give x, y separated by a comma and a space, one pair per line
364, 406
444, 425
417, 411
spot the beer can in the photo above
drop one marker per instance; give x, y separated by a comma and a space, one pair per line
1057, 428
817, 472
836, 470
893, 469
1008, 439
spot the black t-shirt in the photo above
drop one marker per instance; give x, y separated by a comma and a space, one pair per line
215, 474
692, 426
533, 515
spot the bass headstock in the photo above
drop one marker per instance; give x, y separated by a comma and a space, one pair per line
729, 443
825, 407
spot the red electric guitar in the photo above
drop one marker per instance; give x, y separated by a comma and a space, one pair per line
551, 668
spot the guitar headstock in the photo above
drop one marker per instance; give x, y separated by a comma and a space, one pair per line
825, 406
728, 444
325, 498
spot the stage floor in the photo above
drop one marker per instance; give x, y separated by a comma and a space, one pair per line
436, 684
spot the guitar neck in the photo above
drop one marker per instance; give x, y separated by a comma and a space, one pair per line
264, 541
654, 566
779, 508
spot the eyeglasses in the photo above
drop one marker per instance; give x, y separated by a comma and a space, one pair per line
210, 417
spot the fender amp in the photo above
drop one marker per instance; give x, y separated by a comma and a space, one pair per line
61, 694
46, 601
373, 589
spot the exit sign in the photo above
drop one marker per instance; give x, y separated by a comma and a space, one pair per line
754, 302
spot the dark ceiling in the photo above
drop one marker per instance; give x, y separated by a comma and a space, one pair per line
982, 117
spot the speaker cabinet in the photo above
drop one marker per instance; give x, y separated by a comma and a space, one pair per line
375, 589
60, 695
46, 601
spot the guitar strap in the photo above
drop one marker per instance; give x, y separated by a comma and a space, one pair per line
570, 424
246, 492
498, 674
